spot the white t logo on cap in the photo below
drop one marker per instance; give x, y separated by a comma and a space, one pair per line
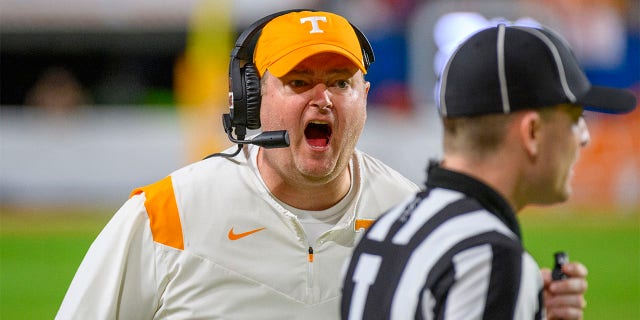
314, 23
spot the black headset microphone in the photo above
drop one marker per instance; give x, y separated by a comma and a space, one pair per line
244, 90
266, 139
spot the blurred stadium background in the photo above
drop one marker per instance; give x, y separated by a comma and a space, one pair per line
100, 97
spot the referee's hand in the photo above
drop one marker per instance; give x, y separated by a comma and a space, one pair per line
564, 299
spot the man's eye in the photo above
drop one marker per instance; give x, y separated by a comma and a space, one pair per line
580, 116
342, 84
297, 83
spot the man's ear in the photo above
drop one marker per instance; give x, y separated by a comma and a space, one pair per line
530, 125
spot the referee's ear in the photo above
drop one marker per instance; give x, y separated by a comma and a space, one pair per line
529, 125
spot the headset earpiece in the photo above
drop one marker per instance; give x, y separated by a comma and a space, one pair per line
253, 95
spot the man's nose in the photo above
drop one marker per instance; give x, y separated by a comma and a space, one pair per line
321, 96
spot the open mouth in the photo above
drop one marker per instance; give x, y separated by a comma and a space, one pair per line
318, 134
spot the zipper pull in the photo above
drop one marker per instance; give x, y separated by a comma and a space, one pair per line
310, 254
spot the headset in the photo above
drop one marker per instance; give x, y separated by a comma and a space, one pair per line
244, 87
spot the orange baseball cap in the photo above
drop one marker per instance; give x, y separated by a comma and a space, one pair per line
288, 39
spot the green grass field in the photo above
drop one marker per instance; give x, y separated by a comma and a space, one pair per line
38, 257
39, 254
610, 248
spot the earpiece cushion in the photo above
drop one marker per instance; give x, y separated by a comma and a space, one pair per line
253, 96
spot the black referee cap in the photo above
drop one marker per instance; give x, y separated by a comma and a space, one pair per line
508, 68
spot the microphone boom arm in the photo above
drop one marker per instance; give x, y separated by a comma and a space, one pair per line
266, 139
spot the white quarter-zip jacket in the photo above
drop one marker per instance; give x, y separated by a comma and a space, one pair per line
209, 241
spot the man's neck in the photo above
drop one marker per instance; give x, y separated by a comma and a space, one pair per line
303, 192
494, 172
310, 195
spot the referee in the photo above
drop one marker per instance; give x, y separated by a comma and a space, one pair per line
511, 100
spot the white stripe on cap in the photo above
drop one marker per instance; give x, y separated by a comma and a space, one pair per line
556, 57
504, 90
442, 86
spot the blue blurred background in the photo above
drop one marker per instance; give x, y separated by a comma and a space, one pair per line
100, 97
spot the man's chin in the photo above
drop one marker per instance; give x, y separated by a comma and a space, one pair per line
316, 174
317, 170
557, 198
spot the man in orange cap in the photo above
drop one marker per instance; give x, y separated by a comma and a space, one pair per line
261, 234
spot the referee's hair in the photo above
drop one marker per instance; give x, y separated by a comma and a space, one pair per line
477, 135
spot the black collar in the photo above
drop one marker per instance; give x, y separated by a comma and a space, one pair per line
438, 177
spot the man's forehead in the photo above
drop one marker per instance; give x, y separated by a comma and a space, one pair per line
326, 62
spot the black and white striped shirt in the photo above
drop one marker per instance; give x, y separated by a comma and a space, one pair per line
452, 252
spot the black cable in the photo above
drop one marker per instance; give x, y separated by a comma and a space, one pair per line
226, 155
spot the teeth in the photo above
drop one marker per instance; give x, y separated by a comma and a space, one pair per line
318, 122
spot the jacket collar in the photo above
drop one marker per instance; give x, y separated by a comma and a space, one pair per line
490, 199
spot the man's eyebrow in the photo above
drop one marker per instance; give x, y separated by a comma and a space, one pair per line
304, 72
